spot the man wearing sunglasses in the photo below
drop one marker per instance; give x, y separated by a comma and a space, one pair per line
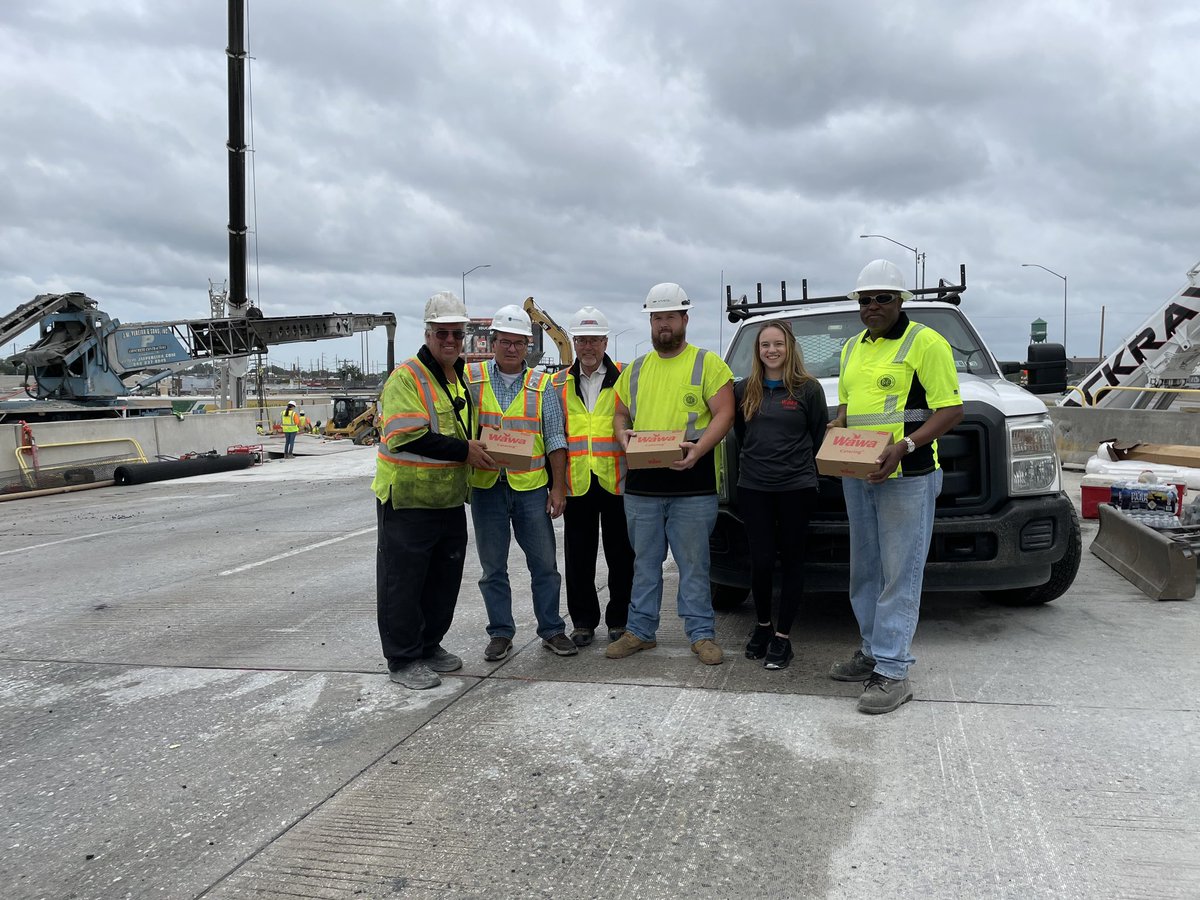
420, 487
897, 376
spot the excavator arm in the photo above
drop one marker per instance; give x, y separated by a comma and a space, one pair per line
541, 318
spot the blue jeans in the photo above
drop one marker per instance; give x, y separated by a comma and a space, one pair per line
890, 527
492, 510
289, 441
684, 523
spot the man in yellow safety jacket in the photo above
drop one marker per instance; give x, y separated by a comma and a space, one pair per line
595, 482
514, 398
420, 487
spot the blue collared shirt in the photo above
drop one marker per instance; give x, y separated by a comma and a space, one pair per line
554, 434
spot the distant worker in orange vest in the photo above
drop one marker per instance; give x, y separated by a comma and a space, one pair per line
291, 427
595, 482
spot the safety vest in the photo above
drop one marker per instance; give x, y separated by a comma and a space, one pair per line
291, 423
523, 414
414, 403
591, 443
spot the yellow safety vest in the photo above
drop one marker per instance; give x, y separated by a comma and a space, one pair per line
413, 404
592, 445
523, 414
291, 423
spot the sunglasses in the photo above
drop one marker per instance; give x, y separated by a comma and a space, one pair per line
881, 299
442, 333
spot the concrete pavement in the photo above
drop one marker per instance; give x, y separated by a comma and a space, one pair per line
193, 704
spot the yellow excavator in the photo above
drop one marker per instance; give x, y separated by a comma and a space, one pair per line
354, 418
542, 319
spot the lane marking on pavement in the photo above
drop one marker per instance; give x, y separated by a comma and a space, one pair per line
298, 550
78, 537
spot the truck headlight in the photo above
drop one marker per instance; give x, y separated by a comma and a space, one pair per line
1032, 457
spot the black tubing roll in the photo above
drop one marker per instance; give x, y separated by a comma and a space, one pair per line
143, 473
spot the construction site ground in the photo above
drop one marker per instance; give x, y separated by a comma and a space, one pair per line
193, 704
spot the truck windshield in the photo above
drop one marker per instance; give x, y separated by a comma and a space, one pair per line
822, 336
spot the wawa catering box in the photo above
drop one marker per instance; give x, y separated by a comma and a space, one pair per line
654, 449
851, 452
510, 449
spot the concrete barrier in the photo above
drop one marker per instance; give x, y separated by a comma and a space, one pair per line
1079, 430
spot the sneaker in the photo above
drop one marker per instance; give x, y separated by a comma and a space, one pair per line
581, 637
627, 645
858, 668
756, 647
614, 634
779, 653
882, 694
415, 675
442, 660
560, 644
708, 651
497, 648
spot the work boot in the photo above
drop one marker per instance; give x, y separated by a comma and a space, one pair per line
497, 649
779, 653
581, 637
442, 660
560, 644
627, 645
857, 668
708, 651
760, 636
614, 634
882, 694
415, 676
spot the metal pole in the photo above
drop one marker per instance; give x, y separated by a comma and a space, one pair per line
1064, 281
464, 280
1100, 350
917, 257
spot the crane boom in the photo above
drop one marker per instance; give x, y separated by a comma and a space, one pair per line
541, 318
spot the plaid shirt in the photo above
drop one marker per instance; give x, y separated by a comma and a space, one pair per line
554, 434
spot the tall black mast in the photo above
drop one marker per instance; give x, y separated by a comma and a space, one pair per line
236, 54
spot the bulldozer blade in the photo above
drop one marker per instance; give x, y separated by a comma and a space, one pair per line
1161, 568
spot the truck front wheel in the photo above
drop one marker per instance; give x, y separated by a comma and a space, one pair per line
1062, 576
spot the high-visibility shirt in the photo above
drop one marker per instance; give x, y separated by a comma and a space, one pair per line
894, 382
291, 422
672, 395
592, 446
524, 413
415, 403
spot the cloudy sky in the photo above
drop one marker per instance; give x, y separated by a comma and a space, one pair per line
586, 151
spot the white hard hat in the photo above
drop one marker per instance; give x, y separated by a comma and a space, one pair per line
444, 308
880, 275
291, 403
511, 319
666, 297
588, 320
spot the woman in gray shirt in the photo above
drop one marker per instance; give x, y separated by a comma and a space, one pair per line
780, 422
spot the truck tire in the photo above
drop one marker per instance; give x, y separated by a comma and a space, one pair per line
1062, 576
727, 597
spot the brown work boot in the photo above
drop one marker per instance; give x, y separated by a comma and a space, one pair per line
708, 651
627, 645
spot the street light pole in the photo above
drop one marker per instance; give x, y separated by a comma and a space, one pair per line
918, 257
1064, 281
617, 335
464, 280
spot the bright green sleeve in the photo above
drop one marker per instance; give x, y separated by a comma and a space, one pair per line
937, 372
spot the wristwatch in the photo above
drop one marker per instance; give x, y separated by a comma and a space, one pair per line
912, 447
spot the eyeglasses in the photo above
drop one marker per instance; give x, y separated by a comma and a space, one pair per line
442, 333
590, 340
509, 345
881, 299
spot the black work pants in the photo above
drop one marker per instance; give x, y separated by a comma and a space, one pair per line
776, 529
418, 570
587, 517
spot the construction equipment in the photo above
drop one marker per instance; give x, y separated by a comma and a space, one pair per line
1159, 563
541, 318
84, 356
1160, 354
355, 418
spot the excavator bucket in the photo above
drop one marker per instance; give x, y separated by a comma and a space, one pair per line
1161, 564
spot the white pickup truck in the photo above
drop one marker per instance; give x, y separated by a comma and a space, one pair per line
1003, 525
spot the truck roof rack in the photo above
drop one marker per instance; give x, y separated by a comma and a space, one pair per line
744, 309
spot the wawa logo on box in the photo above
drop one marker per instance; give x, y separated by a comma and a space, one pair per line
509, 438
652, 439
854, 440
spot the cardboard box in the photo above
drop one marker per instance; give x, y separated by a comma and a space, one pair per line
510, 449
851, 452
654, 449
1166, 454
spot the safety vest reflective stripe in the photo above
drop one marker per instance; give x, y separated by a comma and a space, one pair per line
888, 418
906, 345
490, 414
414, 459
693, 434
591, 445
